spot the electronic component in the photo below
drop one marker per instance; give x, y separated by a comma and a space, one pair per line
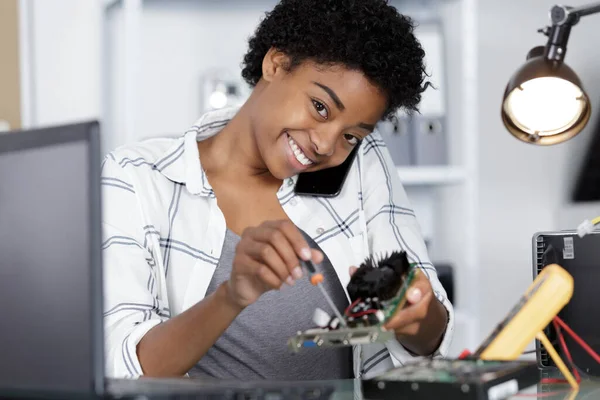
544, 298
377, 289
453, 379
316, 279
579, 257
491, 372
379, 279
321, 318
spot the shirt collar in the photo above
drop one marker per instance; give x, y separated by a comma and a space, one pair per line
187, 169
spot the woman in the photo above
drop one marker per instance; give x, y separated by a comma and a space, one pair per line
203, 234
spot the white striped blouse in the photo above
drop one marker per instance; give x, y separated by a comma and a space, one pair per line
163, 234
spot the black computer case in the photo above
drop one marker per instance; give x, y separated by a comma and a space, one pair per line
580, 256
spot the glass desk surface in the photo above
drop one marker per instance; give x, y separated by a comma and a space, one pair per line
333, 389
148, 388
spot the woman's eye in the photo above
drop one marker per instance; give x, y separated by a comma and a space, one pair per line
352, 140
321, 109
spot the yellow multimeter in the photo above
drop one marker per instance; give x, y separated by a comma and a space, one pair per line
543, 300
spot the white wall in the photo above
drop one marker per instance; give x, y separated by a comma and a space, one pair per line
65, 64
180, 41
522, 187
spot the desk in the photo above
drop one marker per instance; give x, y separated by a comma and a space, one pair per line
343, 389
167, 389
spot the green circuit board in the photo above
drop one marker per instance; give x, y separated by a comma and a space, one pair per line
362, 333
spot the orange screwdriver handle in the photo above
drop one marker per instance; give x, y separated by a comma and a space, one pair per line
316, 279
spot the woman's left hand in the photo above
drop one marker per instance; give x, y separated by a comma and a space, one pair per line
420, 325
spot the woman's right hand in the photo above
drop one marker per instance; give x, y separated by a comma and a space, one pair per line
266, 257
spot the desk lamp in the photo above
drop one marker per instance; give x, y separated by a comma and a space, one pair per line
544, 102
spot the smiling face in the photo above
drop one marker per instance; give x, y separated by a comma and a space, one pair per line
312, 117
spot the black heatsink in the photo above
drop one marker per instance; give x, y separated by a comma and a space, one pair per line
379, 278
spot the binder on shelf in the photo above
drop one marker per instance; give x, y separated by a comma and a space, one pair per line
429, 133
421, 139
397, 136
430, 146
418, 140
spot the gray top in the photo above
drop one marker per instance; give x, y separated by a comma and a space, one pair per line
255, 347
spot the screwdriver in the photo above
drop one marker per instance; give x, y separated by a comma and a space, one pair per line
316, 279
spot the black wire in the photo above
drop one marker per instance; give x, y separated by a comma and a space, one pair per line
554, 343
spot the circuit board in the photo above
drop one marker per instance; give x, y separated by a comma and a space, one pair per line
453, 379
364, 319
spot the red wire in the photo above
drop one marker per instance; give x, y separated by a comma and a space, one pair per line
350, 306
563, 344
360, 314
579, 340
540, 395
554, 380
558, 323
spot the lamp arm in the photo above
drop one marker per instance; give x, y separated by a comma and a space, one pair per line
586, 10
563, 18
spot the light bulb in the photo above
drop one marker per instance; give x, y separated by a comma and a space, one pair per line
545, 106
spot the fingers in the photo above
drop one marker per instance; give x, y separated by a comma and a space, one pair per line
419, 287
266, 257
268, 278
286, 238
406, 316
418, 298
353, 270
294, 237
273, 238
279, 245
265, 254
317, 256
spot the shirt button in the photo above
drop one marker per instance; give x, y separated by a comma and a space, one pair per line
293, 202
290, 182
320, 231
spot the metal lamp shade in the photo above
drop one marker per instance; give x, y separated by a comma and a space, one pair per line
544, 102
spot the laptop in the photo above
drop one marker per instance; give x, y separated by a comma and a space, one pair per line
51, 334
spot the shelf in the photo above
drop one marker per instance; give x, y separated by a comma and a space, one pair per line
421, 176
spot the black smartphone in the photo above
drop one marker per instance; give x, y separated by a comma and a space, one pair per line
326, 182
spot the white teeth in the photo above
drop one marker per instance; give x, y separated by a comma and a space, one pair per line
302, 159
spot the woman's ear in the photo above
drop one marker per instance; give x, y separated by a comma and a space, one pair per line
275, 63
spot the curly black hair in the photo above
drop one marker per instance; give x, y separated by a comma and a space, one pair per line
370, 36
